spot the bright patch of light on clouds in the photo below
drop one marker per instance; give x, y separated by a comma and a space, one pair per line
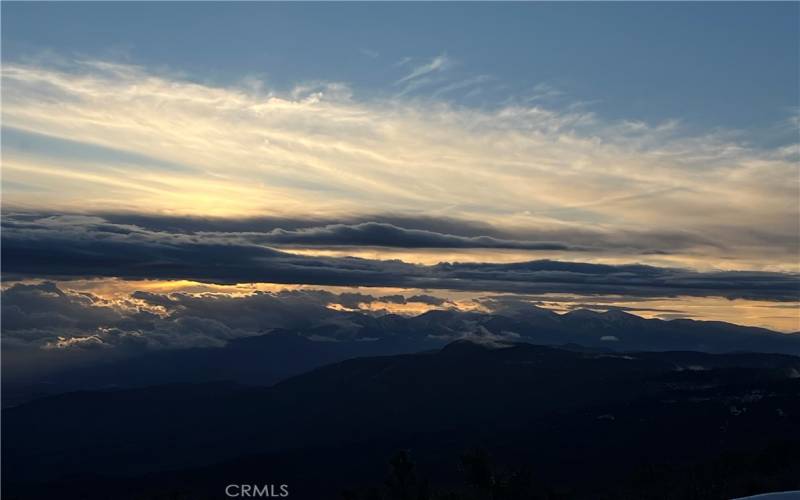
321, 150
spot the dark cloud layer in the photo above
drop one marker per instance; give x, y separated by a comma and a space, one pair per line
420, 231
174, 224
388, 235
57, 247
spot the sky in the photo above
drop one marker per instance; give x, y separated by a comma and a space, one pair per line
634, 155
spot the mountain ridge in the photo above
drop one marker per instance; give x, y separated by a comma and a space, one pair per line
515, 398
265, 358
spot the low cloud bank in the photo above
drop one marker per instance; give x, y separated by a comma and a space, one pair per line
81, 246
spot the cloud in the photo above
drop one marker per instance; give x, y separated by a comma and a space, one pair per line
438, 63
264, 224
48, 326
128, 138
372, 54
656, 244
44, 316
356, 300
543, 91
98, 136
388, 235
466, 83
31, 307
427, 299
610, 307
57, 247
671, 316
425, 75
52, 317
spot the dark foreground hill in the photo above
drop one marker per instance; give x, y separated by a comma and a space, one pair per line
586, 424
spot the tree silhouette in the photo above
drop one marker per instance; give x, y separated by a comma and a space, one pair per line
402, 477
478, 472
349, 495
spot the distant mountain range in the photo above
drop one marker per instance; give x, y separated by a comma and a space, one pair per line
272, 356
584, 420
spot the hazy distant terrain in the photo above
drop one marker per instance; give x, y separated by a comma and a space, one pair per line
267, 358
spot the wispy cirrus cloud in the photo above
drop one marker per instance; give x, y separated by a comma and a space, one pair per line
438, 63
372, 54
164, 144
543, 92
472, 83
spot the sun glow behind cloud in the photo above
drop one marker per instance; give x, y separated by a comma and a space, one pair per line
779, 316
95, 137
319, 150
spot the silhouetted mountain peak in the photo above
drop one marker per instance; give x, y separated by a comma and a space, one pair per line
619, 314
609, 315
278, 353
439, 314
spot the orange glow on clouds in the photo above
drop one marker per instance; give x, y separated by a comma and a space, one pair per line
779, 316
